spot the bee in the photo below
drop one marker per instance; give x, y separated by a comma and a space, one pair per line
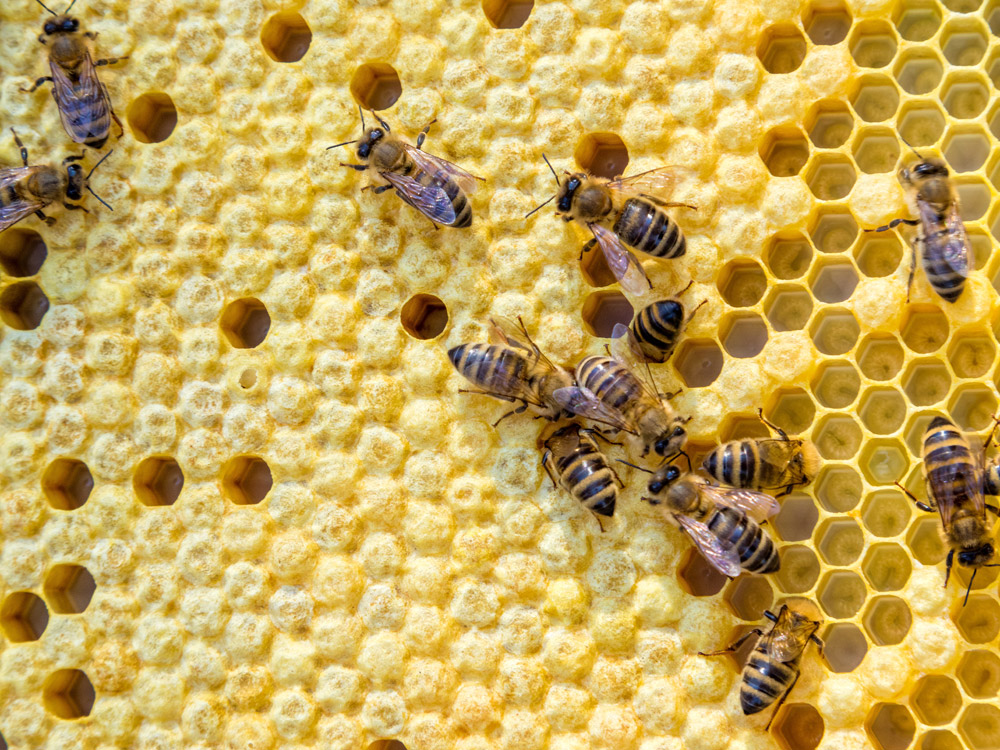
773, 668
436, 188
655, 329
764, 463
29, 189
83, 101
946, 249
582, 469
955, 484
635, 209
513, 369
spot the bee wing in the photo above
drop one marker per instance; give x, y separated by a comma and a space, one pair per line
956, 249
438, 167
430, 200
13, 212
621, 261
788, 638
962, 487
758, 505
726, 560
625, 347
563, 442
653, 182
83, 103
583, 403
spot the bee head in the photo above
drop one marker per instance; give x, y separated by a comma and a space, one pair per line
925, 169
671, 441
369, 140
661, 480
567, 191
976, 558
74, 182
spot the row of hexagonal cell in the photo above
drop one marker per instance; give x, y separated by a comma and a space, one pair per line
68, 590
891, 725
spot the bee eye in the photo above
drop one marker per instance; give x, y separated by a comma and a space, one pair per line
49, 28
678, 432
71, 25
656, 486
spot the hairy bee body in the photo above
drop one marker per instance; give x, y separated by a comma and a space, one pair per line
582, 469
644, 225
763, 463
657, 327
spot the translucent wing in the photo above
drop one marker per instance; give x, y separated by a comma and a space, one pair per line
726, 560
958, 485
654, 182
438, 167
564, 441
621, 261
430, 200
789, 636
583, 403
956, 249
625, 347
758, 505
13, 212
83, 103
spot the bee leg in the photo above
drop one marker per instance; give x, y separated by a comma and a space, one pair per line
993, 509
781, 432
895, 223
380, 189
121, 130
545, 465
734, 645
358, 167
587, 247
109, 60
689, 317
38, 82
947, 567
787, 491
423, 133
49, 221
76, 207
24, 151
518, 410
601, 525
777, 706
91, 35
913, 269
671, 395
819, 643
598, 433
922, 506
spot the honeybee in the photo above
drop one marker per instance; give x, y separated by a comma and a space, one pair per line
435, 187
29, 189
764, 463
946, 249
513, 369
654, 331
83, 101
637, 211
582, 469
723, 523
773, 667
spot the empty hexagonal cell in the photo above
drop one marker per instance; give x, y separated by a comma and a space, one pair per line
917, 21
602, 154
979, 620
784, 151
972, 407
924, 328
508, 14
920, 123
984, 578
971, 355
880, 357
286, 37
926, 382
376, 85
962, 6
887, 567
245, 323
69, 589
799, 569
788, 255
873, 44
603, 310
882, 410
838, 488
965, 95
994, 121
982, 247
830, 176
966, 149
979, 673
246, 480
993, 69
22, 251
840, 541
980, 726
791, 409
698, 577
743, 335
884, 461
67, 483
827, 22
887, 620
23, 617
796, 519
833, 230
915, 430
841, 594
749, 596
152, 117
158, 481
846, 647
698, 362
742, 428
890, 726
886, 513
876, 150
878, 255
924, 540
834, 331
68, 694
742, 282
829, 123
919, 71
23, 305
936, 699
836, 384
939, 739
992, 16
788, 307
875, 98
781, 48
833, 281
594, 267
837, 437
964, 41
974, 198
798, 726
424, 316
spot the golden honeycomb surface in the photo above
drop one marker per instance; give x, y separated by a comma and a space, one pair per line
242, 504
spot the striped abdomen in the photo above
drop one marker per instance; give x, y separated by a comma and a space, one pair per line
734, 528
944, 278
460, 204
585, 474
610, 381
647, 227
735, 464
82, 101
657, 328
498, 369
765, 679
951, 469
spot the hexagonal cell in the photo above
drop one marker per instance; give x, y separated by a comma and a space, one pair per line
980, 726
966, 149
965, 95
878, 255
743, 335
791, 409
837, 437
788, 255
972, 407
984, 579
830, 176
964, 41
920, 123
924, 328
833, 230
994, 122
936, 700
915, 432
924, 540
158, 481
829, 123
735, 427
887, 620
799, 569
880, 357
836, 384
979, 620
386, 745
784, 151
781, 48
796, 519
974, 198
993, 69
788, 307
992, 16
841, 594
22, 252
840, 541
834, 331
602, 155
939, 739
926, 382
286, 37
887, 567
698, 362
69, 589
979, 673
152, 117
245, 323
603, 310
798, 726
883, 461
876, 150
971, 355
68, 694
424, 316
875, 98
246, 480
23, 617
698, 577
833, 281
594, 267
838, 488
846, 647
982, 247
23, 305
886, 513
67, 483
962, 6
508, 14
890, 726
873, 44
742, 282
827, 22
917, 21
919, 71
882, 410
748, 597
376, 85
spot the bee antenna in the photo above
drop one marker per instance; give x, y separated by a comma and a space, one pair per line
99, 163
66, 12
623, 461
50, 9
551, 169
362, 111
381, 122
969, 590
900, 138
86, 181
539, 206
345, 143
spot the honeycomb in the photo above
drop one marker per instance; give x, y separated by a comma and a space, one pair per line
241, 502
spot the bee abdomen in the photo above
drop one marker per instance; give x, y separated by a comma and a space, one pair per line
611, 382
755, 548
648, 228
657, 326
490, 367
463, 211
942, 276
734, 464
764, 680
